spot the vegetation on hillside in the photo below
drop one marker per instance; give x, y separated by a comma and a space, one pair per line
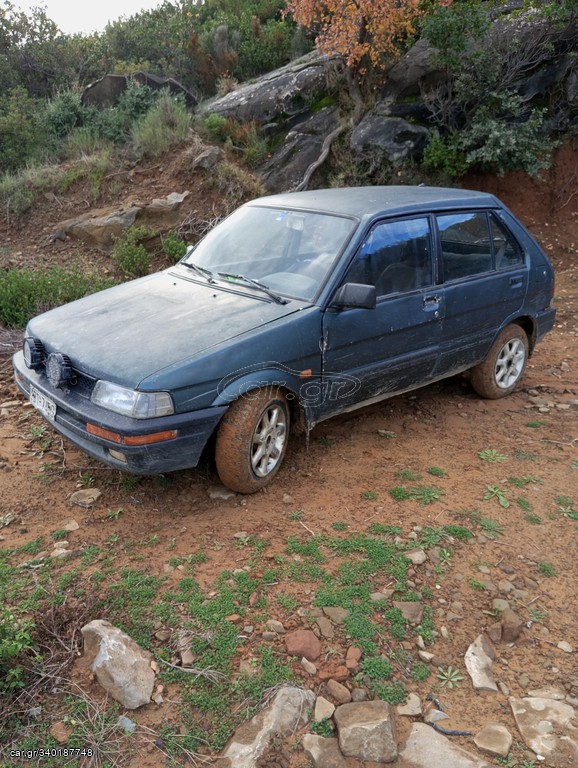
478, 117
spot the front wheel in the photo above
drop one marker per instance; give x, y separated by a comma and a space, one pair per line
252, 440
504, 366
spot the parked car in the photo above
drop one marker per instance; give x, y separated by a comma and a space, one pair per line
295, 308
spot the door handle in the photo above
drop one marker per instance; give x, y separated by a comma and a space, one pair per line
515, 281
431, 301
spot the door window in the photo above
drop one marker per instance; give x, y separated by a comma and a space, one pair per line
396, 257
507, 250
465, 243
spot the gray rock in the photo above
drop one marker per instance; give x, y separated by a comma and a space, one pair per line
337, 691
285, 714
324, 752
325, 627
366, 731
208, 159
478, 660
412, 612
220, 492
411, 708
279, 95
425, 748
336, 614
120, 665
393, 136
546, 727
323, 709
494, 739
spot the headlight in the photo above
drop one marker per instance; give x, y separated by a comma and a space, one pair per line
139, 405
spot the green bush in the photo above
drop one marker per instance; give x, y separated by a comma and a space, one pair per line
19, 131
173, 246
26, 292
130, 254
15, 642
217, 126
167, 124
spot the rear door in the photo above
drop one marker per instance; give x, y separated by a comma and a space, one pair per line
394, 346
485, 282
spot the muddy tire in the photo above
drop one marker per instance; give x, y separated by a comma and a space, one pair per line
252, 440
504, 366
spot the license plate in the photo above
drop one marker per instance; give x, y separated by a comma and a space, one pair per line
44, 404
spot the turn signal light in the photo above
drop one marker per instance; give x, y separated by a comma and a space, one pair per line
116, 437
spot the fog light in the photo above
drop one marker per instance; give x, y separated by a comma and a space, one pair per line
34, 353
117, 455
58, 369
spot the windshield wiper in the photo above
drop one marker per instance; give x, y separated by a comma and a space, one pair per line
255, 284
199, 270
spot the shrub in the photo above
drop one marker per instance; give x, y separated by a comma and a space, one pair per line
19, 132
25, 292
165, 125
15, 641
130, 254
173, 246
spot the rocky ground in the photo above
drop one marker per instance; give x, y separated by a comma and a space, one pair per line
509, 473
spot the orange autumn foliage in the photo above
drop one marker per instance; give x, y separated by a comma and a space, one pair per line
359, 30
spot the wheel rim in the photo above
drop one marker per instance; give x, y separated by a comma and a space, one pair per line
269, 440
510, 363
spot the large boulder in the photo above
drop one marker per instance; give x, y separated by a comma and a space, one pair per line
278, 96
107, 91
394, 137
302, 146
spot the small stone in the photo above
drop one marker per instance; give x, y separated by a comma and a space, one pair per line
434, 715
69, 525
417, 556
337, 691
353, 657
512, 625
411, 611
85, 498
303, 642
308, 666
325, 627
60, 732
287, 498
564, 646
411, 708
276, 626
269, 636
323, 709
426, 656
220, 492
494, 739
336, 614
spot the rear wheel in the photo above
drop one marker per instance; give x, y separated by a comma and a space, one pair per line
252, 440
504, 366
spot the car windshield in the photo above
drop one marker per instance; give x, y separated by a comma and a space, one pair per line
289, 252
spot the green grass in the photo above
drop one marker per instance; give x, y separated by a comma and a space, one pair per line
491, 456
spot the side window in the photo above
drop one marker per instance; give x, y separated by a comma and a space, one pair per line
465, 242
508, 252
396, 257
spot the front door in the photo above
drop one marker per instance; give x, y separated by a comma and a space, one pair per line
393, 347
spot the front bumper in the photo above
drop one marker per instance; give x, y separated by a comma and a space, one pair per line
74, 411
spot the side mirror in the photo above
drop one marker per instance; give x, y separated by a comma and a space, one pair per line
354, 296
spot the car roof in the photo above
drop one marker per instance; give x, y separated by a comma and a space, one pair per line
364, 202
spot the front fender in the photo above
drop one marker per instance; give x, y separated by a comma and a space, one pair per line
258, 376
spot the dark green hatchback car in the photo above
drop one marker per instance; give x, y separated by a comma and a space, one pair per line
295, 308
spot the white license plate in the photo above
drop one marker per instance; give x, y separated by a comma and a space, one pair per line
44, 404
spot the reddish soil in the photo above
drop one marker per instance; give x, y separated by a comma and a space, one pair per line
347, 470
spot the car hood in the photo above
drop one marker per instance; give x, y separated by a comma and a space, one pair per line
131, 331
